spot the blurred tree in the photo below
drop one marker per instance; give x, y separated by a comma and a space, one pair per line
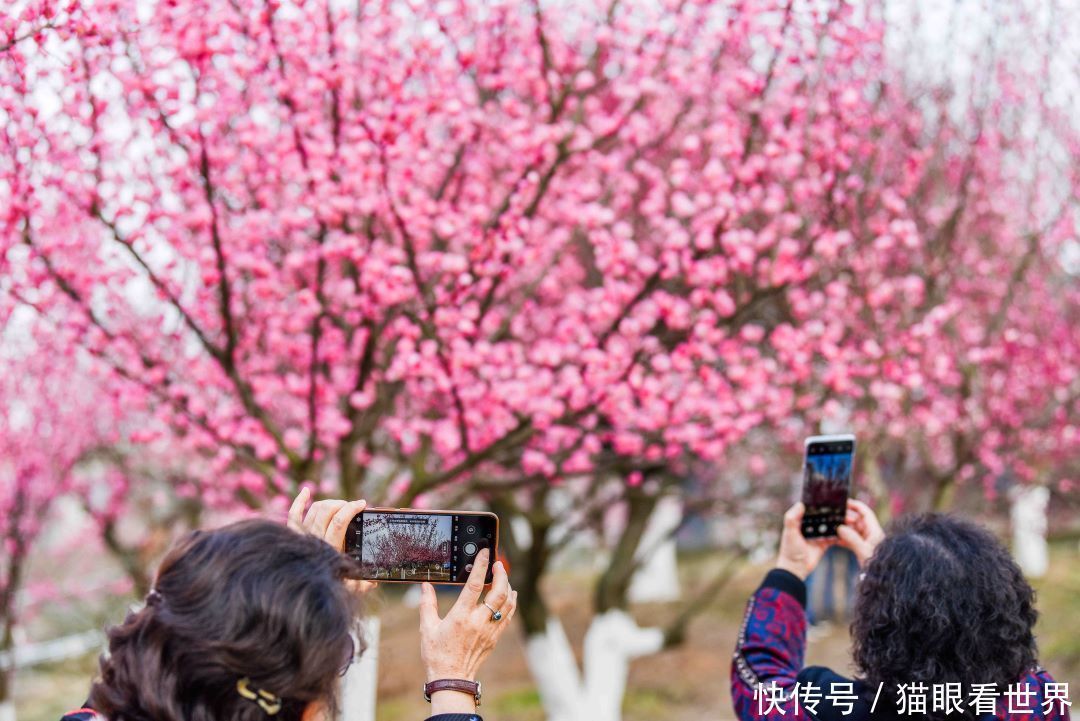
51, 417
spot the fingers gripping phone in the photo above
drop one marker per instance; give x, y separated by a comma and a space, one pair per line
402, 545
826, 483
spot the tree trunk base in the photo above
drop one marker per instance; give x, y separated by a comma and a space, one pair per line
611, 643
1028, 516
359, 688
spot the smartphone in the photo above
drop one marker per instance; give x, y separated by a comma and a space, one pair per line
404, 545
826, 483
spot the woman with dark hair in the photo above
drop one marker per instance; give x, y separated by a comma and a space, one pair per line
942, 628
255, 622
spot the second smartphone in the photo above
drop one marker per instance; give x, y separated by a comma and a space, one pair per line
826, 483
405, 545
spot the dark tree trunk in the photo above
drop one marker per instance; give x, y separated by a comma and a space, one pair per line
529, 564
612, 588
7, 673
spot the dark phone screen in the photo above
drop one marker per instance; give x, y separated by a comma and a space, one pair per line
826, 481
418, 547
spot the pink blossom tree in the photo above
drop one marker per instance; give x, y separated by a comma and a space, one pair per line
524, 249
965, 369
49, 422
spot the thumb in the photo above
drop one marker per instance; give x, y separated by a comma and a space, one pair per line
849, 538
429, 606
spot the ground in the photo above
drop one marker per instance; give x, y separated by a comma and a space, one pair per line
690, 682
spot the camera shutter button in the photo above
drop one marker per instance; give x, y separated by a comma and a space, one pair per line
470, 549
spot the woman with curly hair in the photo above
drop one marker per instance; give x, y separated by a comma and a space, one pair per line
942, 628
255, 621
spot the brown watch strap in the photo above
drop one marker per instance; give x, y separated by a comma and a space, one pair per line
453, 684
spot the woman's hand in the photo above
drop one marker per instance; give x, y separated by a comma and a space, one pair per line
328, 520
797, 554
456, 646
861, 531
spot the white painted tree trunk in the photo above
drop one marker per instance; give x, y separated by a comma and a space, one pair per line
612, 641
359, 688
1028, 515
657, 577
555, 670
7, 710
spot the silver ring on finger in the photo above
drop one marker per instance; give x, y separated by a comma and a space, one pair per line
496, 615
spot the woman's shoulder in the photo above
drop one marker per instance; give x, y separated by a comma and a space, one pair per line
1045, 688
1042, 685
1039, 676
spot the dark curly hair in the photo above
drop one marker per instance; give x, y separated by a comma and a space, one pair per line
943, 601
253, 599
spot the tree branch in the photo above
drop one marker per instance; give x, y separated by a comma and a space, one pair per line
675, 633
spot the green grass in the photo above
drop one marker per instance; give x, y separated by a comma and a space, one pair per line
519, 702
1058, 601
651, 703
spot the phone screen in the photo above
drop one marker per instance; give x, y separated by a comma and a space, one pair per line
417, 546
826, 482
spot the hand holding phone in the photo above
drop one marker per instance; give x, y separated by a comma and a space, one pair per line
455, 645
445, 546
400, 545
329, 520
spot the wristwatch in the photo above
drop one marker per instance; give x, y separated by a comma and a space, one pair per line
453, 684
